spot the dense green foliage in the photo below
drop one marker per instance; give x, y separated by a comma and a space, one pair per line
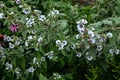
59, 40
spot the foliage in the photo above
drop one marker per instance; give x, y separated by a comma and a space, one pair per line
59, 40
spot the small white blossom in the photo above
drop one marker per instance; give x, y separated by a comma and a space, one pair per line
58, 42
20, 6
83, 21
64, 42
117, 51
42, 18
43, 59
2, 5
109, 35
111, 51
88, 46
50, 56
77, 36
78, 54
17, 43
80, 28
26, 10
18, 1
61, 47
1, 15
40, 39
8, 66
30, 22
54, 12
89, 58
17, 70
73, 46
34, 60
99, 47
7, 38
31, 69
11, 45
91, 33
26, 43
30, 37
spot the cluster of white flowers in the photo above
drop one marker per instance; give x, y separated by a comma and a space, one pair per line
112, 51
30, 21
80, 25
61, 44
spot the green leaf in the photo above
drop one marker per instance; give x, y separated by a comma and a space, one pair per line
41, 77
63, 52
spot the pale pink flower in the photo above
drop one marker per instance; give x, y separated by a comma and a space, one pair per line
14, 27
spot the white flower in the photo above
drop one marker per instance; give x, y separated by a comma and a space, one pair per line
42, 58
11, 45
117, 51
31, 69
30, 37
18, 1
73, 46
8, 66
89, 58
26, 10
78, 54
8, 38
30, 22
58, 42
26, 43
11, 13
64, 42
77, 36
91, 33
34, 60
20, 6
17, 70
50, 56
80, 28
54, 12
61, 47
92, 40
109, 35
83, 21
99, 48
42, 18
111, 51
88, 46
40, 39
17, 43
1, 15
2, 5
